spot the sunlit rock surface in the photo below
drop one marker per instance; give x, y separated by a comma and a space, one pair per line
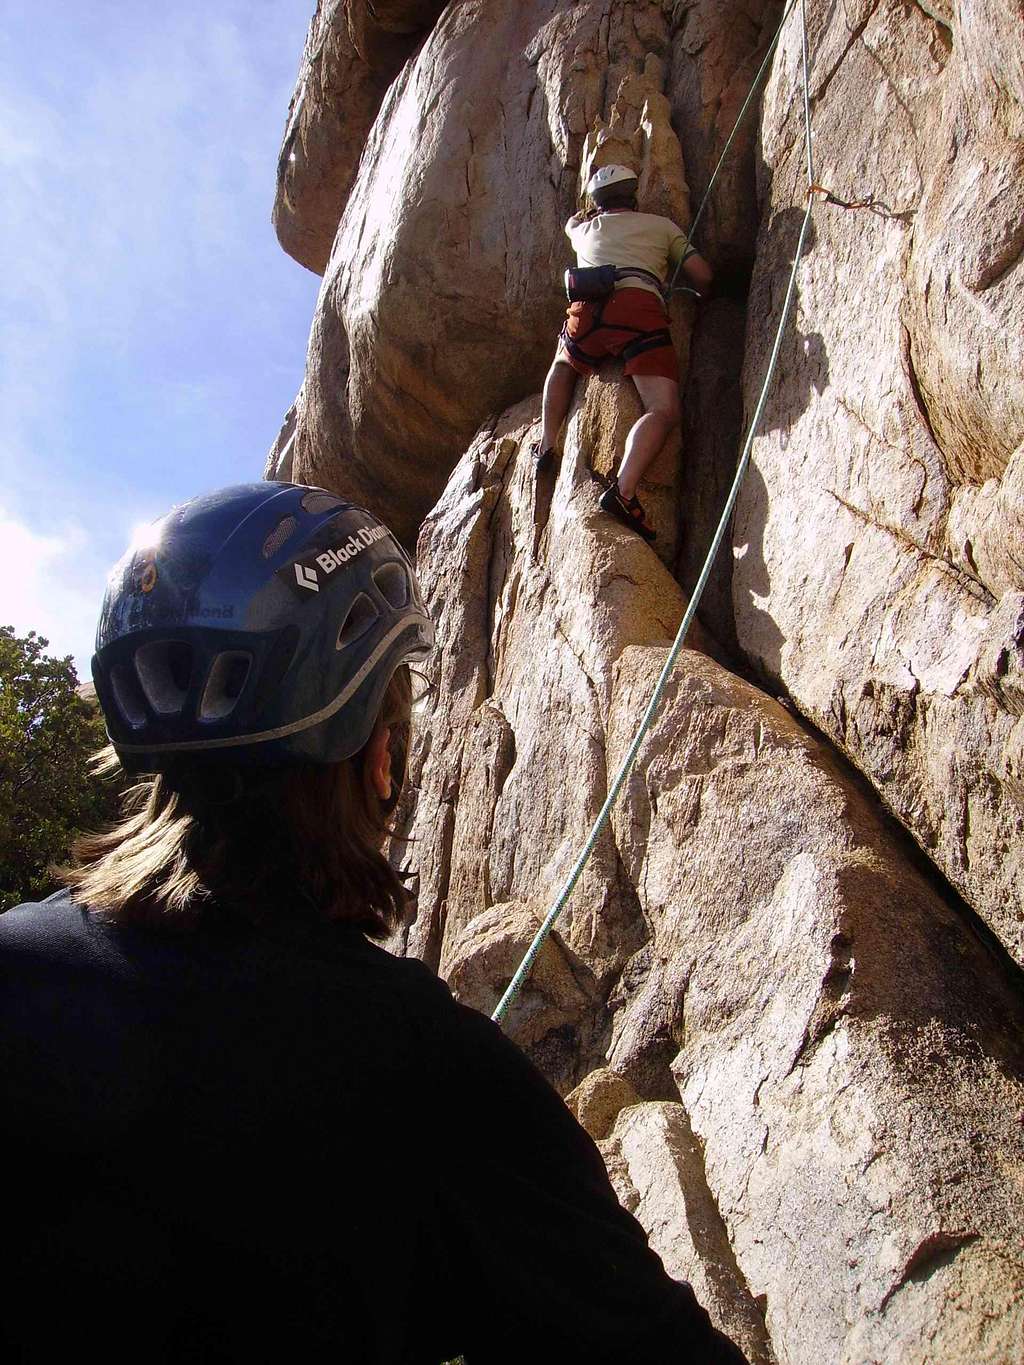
783, 995
754, 940
279, 457
879, 543
656, 1166
354, 50
443, 297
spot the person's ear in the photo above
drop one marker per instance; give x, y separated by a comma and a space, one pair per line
377, 763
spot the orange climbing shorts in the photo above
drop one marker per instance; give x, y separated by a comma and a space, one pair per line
636, 309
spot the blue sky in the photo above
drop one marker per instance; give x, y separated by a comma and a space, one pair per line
152, 331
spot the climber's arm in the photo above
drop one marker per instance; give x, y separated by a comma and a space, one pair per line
695, 268
578, 219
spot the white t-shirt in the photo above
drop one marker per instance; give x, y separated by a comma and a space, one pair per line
626, 238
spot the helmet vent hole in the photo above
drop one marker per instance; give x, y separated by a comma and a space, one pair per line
360, 618
224, 686
128, 696
318, 500
281, 532
275, 666
164, 669
393, 581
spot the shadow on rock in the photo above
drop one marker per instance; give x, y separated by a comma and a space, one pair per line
763, 640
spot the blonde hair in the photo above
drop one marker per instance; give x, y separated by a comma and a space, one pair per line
209, 840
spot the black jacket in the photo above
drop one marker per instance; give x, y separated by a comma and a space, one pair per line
289, 1145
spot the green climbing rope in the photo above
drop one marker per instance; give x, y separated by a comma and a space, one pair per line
731, 139
523, 971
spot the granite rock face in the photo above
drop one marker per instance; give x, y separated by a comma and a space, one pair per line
354, 50
657, 1169
442, 300
783, 995
879, 545
835, 1055
279, 456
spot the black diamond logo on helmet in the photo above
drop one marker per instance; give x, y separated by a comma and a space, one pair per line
306, 577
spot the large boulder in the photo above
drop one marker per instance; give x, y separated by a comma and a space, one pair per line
354, 50
878, 547
849, 1049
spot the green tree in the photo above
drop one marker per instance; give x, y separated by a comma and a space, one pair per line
48, 791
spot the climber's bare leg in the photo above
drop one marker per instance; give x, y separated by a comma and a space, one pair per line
660, 398
559, 388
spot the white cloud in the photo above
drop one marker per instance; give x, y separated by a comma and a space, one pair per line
143, 300
52, 584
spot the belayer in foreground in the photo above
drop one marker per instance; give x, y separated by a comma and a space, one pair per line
232, 1128
619, 308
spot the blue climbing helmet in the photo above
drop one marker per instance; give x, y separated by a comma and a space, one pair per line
260, 624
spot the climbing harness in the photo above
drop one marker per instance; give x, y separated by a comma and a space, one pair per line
588, 283
646, 340
523, 971
651, 340
595, 285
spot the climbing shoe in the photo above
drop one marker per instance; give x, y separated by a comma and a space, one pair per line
542, 459
629, 512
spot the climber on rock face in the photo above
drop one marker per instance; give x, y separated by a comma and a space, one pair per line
234, 1128
621, 312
